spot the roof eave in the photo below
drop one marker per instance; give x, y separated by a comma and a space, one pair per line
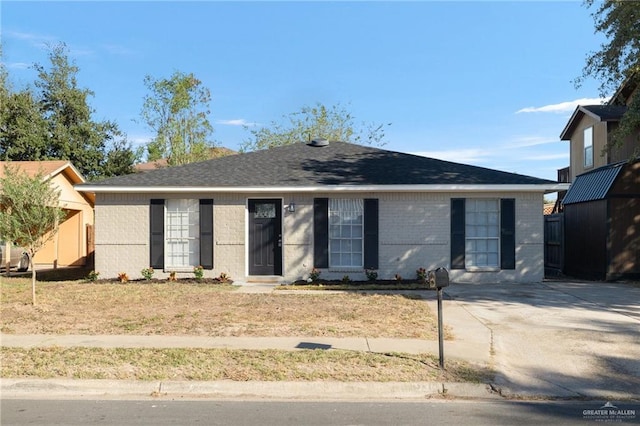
543, 187
566, 133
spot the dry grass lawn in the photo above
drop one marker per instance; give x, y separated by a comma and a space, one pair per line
226, 364
76, 307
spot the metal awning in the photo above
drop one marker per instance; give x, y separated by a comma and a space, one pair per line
593, 185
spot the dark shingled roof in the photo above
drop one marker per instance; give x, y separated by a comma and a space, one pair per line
301, 165
601, 112
607, 112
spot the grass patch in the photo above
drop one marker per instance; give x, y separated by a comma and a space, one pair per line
228, 364
76, 307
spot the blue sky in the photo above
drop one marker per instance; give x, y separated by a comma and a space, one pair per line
483, 83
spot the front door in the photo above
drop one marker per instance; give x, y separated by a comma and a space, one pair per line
265, 237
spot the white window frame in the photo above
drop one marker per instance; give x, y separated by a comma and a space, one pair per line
482, 234
587, 147
181, 234
346, 234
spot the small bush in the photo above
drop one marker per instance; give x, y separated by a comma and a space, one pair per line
314, 275
421, 275
398, 277
371, 274
93, 276
147, 273
198, 272
346, 279
123, 277
223, 278
172, 276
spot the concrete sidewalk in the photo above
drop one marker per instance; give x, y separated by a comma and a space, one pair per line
545, 340
472, 343
454, 349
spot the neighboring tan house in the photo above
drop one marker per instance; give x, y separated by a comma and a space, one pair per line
69, 246
276, 214
602, 207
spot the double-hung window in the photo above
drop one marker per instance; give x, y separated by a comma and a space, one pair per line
482, 232
346, 231
588, 147
182, 233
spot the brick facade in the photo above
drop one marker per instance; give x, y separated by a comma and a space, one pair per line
414, 232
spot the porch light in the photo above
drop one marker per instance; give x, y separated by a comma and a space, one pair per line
291, 207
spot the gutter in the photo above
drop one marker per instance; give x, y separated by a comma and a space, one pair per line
546, 188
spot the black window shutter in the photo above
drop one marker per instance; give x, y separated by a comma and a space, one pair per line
206, 234
156, 225
371, 233
508, 233
457, 233
321, 232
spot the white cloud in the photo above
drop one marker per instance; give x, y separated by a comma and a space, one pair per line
563, 107
526, 141
34, 39
18, 65
45, 42
545, 157
117, 49
236, 122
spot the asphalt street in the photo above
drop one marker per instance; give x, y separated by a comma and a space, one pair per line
295, 413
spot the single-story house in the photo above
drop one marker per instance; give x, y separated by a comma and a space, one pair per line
71, 245
342, 208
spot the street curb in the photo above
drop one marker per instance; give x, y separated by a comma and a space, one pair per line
89, 389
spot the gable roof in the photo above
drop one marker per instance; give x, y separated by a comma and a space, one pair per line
301, 166
593, 185
598, 112
49, 169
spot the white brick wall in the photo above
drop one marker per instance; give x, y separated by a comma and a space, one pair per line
414, 232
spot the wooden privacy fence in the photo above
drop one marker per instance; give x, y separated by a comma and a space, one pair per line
554, 244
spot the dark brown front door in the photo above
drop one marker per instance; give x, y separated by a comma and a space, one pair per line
265, 237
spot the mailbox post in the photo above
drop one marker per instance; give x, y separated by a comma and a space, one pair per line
438, 279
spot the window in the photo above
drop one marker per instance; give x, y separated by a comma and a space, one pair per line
182, 234
346, 233
482, 233
588, 147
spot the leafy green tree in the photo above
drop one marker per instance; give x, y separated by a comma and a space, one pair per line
73, 134
177, 110
23, 130
617, 61
53, 122
29, 213
333, 123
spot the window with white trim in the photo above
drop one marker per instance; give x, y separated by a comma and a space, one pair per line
482, 233
588, 147
182, 234
346, 223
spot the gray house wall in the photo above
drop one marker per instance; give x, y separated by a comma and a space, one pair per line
414, 232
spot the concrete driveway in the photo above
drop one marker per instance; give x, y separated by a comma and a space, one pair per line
562, 339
